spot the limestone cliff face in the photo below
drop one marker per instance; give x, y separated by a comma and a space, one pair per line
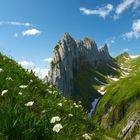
69, 56
104, 54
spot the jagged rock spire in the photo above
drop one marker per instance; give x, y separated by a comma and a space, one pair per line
67, 36
104, 52
69, 55
104, 48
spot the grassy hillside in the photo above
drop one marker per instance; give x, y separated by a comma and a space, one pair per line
32, 110
121, 103
89, 79
122, 58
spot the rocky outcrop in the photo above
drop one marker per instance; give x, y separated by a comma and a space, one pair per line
104, 54
69, 56
132, 123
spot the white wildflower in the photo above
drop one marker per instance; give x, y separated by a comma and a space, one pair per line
1, 70
9, 78
70, 115
86, 136
59, 104
55, 92
23, 86
49, 91
79, 102
57, 127
20, 93
75, 105
29, 103
55, 119
3, 92
80, 105
43, 111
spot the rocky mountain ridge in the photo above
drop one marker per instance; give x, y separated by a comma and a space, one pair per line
69, 56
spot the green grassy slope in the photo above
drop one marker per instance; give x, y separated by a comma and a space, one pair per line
88, 80
27, 106
122, 58
122, 99
84, 85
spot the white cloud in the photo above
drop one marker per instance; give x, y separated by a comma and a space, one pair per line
134, 56
48, 60
41, 72
125, 5
135, 32
110, 40
16, 23
26, 64
31, 32
102, 12
29, 65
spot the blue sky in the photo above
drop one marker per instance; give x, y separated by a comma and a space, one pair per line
30, 29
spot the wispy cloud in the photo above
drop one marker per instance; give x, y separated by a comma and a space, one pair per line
135, 31
48, 60
125, 5
126, 50
20, 23
31, 32
110, 40
102, 11
136, 4
16, 23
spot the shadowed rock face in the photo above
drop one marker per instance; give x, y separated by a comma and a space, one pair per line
69, 56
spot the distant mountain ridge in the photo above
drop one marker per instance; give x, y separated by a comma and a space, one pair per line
69, 57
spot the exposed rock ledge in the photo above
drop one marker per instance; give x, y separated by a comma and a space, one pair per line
129, 127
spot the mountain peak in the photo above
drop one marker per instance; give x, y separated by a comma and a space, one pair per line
105, 53
123, 57
68, 58
89, 42
104, 48
67, 37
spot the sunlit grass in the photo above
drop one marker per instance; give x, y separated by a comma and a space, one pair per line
27, 106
